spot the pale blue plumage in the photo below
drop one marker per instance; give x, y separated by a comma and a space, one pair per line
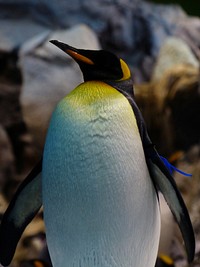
96, 185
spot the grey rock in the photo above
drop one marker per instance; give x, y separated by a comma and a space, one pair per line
173, 52
188, 30
34, 42
49, 75
135, 30
80, 36
14, 33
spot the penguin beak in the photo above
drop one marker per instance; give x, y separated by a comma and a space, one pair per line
76, 54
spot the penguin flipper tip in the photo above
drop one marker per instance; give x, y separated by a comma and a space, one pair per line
19, 214
9, 237
167, 186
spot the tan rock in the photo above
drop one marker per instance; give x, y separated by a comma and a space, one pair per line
170, 107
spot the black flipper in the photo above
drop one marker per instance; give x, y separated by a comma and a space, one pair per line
162, 179
20, 212
166, 184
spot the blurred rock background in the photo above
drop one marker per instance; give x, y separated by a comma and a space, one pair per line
161, 44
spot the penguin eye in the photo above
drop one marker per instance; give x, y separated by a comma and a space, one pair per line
125, 70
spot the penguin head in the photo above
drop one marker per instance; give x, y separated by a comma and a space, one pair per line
97, 64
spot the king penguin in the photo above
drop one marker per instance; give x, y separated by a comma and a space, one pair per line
99, 177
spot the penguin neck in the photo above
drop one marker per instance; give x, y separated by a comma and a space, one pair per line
125, 87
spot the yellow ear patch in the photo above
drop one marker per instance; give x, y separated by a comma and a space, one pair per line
125, 70
79, 57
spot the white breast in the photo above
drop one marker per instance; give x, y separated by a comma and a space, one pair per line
100, 206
